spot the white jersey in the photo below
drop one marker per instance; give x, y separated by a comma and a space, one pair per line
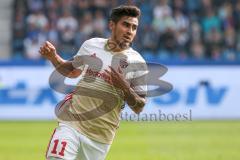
94, 107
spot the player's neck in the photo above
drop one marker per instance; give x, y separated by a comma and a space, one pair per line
113, 46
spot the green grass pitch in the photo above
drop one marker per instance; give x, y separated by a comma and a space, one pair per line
196, 140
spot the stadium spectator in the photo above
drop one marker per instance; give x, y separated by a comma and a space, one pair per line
168, 27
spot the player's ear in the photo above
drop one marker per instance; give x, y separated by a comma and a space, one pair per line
111, 25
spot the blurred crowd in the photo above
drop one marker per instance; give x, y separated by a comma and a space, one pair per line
169, 29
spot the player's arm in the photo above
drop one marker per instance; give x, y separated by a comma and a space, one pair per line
135, 101
64, 67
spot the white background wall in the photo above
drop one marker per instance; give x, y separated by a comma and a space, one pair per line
25, 93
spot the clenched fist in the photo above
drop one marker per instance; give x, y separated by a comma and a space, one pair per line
48, 51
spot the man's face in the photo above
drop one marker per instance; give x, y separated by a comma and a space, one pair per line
124, 30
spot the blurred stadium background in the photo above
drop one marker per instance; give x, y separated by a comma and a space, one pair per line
197, 40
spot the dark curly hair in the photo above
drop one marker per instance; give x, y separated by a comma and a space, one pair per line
124, 10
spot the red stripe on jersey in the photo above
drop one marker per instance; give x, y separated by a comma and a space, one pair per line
67, 97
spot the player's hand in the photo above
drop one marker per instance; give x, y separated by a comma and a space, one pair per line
117, 78
48, 51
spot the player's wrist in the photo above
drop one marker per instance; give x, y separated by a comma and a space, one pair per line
54, 57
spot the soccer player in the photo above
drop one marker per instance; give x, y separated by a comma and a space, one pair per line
89, 116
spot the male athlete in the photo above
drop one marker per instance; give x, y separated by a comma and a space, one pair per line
89, 116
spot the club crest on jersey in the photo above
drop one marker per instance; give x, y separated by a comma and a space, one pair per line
123, 63
93, 55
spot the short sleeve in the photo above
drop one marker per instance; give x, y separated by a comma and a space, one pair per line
77, 63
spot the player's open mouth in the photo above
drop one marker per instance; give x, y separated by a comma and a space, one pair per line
127, 38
